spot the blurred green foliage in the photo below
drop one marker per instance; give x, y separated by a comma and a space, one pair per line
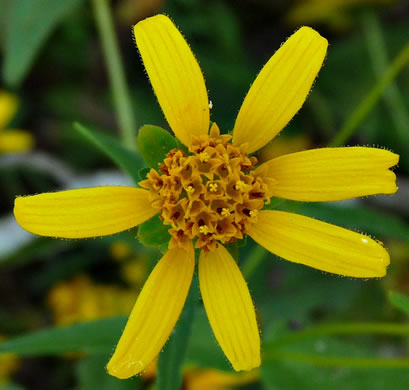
51, 58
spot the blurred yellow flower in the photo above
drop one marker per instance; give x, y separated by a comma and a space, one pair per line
332, 12
120, 250
133, 269
11, 141
205, 379
214, 196
8, 365
81, 300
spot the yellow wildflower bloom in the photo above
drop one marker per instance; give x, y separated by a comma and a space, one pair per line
332, 12
81, 300
9, 364
11, 141
204, 379
317, 175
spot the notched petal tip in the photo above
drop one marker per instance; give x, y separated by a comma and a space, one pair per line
229, 308
320, 245
248, 365
155, 313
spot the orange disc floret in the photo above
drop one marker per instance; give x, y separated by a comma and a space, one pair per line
211, 195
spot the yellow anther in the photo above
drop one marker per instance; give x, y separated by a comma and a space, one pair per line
213, 187
204, 229
253, 213
225, 212
204, 157
190, 190
240, 185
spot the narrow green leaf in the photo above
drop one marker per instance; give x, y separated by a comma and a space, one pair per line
94, 337
30, 23
327, 362
130, 162
91, 374
357, 217
143, 172
400, 301
154, 143
169, 375
154, 233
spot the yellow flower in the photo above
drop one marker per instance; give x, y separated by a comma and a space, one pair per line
332, 12
81, 300
9, 364
182, 194
206, 378
12, 141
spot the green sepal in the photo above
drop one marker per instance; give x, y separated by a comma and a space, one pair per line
153, 233
154, 143
400, 301
143, 172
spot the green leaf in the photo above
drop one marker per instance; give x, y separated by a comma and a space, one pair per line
30, 23
357, 217
143, 173
154, 143
400, 301
94, 337
92, 375
280, 375
41, 247
329, 363
128, 161
153, 233
169, 375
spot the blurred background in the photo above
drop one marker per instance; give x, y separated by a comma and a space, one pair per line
354, 333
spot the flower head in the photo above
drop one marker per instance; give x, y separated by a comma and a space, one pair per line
215, 193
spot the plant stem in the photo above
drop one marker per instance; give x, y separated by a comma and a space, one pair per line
392, 96
104, 22
254, 259
372, 98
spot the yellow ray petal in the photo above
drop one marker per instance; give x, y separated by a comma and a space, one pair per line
229, 308
280, 89
175, 76
330, 174
15, 141
319, 245
155, 313
8, 108
86, 212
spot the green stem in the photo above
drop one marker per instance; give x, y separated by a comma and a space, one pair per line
392, 96
116, 72
335, 361
254, 259
372, 98
322, 113
383, 328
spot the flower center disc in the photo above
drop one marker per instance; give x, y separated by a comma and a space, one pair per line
211, 194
